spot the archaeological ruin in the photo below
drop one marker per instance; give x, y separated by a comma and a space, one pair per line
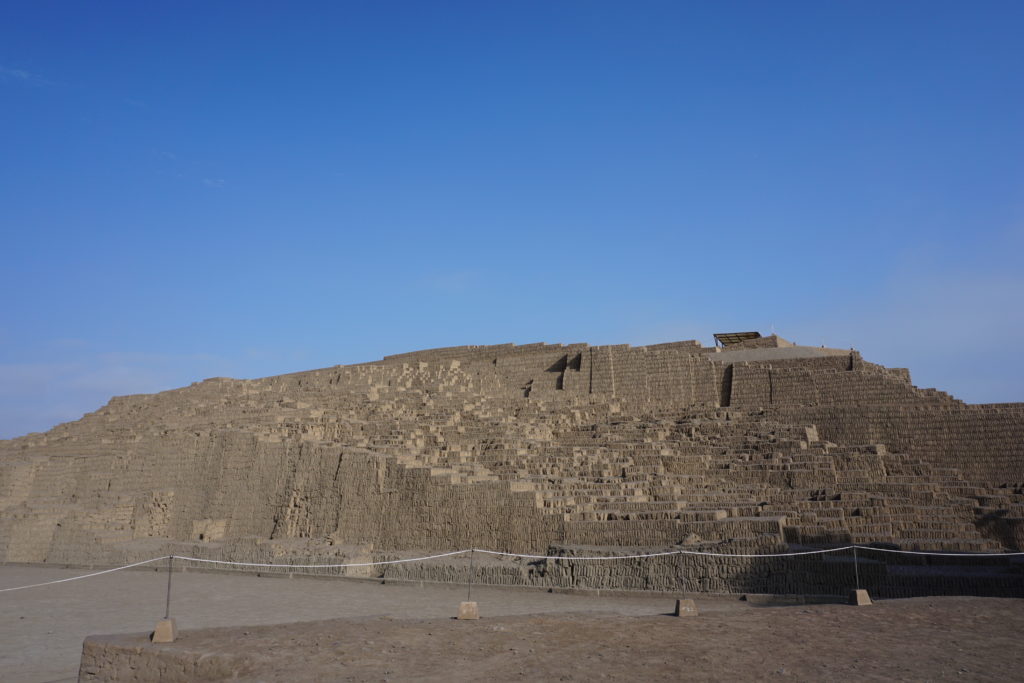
753, 446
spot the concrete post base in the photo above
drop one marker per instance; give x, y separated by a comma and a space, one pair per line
685, 608
468, 610
166, 631
859, 597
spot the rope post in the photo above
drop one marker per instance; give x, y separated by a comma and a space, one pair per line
856, 567
170, 571
166, 630
682, 571
858, 596
684, 606
469, 609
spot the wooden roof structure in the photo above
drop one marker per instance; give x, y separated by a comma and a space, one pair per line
726, 338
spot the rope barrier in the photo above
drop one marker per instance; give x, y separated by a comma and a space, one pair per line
520, 555
323, 566
670, 552
84, 576
932, 552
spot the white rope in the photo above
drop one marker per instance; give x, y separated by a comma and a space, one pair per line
321, 566
802, 552
522, 555
505, 554
84, 576
572, 557
670, 552
938, 554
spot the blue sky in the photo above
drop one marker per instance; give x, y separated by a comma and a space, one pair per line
196, 189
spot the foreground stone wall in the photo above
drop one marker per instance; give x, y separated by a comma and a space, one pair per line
753, 449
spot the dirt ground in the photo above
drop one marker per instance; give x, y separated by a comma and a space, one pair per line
919, 639
403, 632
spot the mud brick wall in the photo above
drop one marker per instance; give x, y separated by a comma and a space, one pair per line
527, 448
654, 375
788, 384
265, 491
986, 443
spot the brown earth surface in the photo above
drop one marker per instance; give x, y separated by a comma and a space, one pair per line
42, 629
916, 639
405, 631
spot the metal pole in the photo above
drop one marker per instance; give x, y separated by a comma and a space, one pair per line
469, 593
856, 567
170, 570
681, 569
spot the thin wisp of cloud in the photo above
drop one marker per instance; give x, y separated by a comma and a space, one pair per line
21, 76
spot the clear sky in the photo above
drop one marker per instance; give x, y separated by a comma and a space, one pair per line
196, 189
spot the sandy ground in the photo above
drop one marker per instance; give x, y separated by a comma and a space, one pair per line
919, 639
402, 632
42, 629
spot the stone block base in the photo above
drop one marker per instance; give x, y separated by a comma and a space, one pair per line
859, 597
685, 608
468, 610
166, 631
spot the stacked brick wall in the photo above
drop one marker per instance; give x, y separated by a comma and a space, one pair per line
985, 442
525, 448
